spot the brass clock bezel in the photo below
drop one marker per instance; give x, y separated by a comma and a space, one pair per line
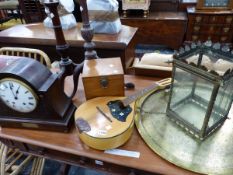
26, 86
201, 6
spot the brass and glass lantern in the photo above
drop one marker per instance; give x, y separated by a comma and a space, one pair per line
202, 88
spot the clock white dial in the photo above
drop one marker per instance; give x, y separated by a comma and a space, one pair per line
17, 95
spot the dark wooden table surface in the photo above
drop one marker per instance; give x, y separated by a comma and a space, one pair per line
39, 37
67, 147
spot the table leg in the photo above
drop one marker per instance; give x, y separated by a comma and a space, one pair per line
65, 168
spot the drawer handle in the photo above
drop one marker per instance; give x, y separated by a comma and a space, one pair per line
226, 29
194, 37
198, 18
223, 38
196, 28
229, 19
213, 19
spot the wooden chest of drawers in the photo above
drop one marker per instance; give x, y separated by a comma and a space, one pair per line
216, 26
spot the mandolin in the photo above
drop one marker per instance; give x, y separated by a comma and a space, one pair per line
107, 122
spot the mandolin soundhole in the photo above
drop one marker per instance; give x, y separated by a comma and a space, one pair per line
118, 111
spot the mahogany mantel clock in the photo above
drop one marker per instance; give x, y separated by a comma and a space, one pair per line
33, 97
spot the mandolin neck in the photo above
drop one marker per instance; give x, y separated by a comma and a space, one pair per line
138, 94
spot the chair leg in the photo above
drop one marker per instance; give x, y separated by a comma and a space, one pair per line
8, 163
22, 165
19, 14
37, 166
65, 168
3, 154
13, 14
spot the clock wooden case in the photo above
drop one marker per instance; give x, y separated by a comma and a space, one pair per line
32, 97
214, 5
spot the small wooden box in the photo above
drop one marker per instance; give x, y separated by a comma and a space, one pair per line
103, 77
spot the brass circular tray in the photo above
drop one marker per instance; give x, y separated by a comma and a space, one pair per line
214, 155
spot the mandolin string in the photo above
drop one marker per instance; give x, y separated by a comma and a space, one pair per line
153, 111
164, 82
133, 97
102, 112
143, 112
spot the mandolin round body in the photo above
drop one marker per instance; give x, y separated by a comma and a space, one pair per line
107, 143
98, 128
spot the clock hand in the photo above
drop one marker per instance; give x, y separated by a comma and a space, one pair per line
11, 88
17, 91
11, 85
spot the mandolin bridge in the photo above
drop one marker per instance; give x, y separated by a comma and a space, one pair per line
119, 111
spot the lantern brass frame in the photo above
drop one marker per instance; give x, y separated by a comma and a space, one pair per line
210, 76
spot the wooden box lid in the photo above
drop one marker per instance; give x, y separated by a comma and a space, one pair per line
100, 67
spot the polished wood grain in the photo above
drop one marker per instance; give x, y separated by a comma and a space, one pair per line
67, 147
166, 28
37, 36
101, 67
103, 77
6, 60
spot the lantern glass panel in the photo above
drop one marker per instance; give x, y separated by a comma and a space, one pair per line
190, 98
222, 104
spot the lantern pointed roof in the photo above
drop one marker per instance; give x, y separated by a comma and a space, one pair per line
214, 58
